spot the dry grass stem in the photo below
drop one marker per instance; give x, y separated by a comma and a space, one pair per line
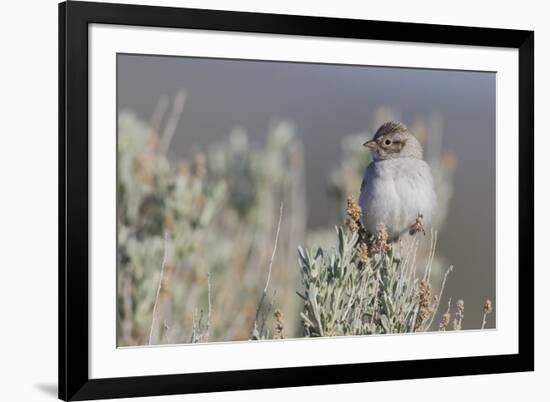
154, 318
209, 316
274, 248
172, 123
264, 293
158, 114
438, 301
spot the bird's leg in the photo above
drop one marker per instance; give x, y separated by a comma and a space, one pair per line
417, 226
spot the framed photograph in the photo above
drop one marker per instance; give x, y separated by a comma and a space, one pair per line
257, 201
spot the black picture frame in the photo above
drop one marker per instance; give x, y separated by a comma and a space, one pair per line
74, 381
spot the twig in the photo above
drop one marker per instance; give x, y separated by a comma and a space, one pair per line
269, 308
194, 336
167, 331
155, 306
431, 258
264, 293
301, 296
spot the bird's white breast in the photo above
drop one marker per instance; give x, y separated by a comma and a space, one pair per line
395, 192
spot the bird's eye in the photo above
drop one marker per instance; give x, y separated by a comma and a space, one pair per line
387, 142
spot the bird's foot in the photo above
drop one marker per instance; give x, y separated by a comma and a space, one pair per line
417, 226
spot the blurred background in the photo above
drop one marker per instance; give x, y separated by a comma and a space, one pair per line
209, 148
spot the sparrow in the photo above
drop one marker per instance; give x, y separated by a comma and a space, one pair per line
397, 188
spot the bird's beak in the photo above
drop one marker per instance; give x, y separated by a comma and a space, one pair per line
370, 144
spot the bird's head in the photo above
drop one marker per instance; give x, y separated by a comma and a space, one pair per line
393, 140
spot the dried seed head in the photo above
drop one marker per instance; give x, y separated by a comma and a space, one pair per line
144, 167
353, 215
352, 225
459, 315
199, 165
183, 168
381, 232
363, 253
488, 307
280, 325
381, 241
425, 309
444, 321
169, 219
353, 210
